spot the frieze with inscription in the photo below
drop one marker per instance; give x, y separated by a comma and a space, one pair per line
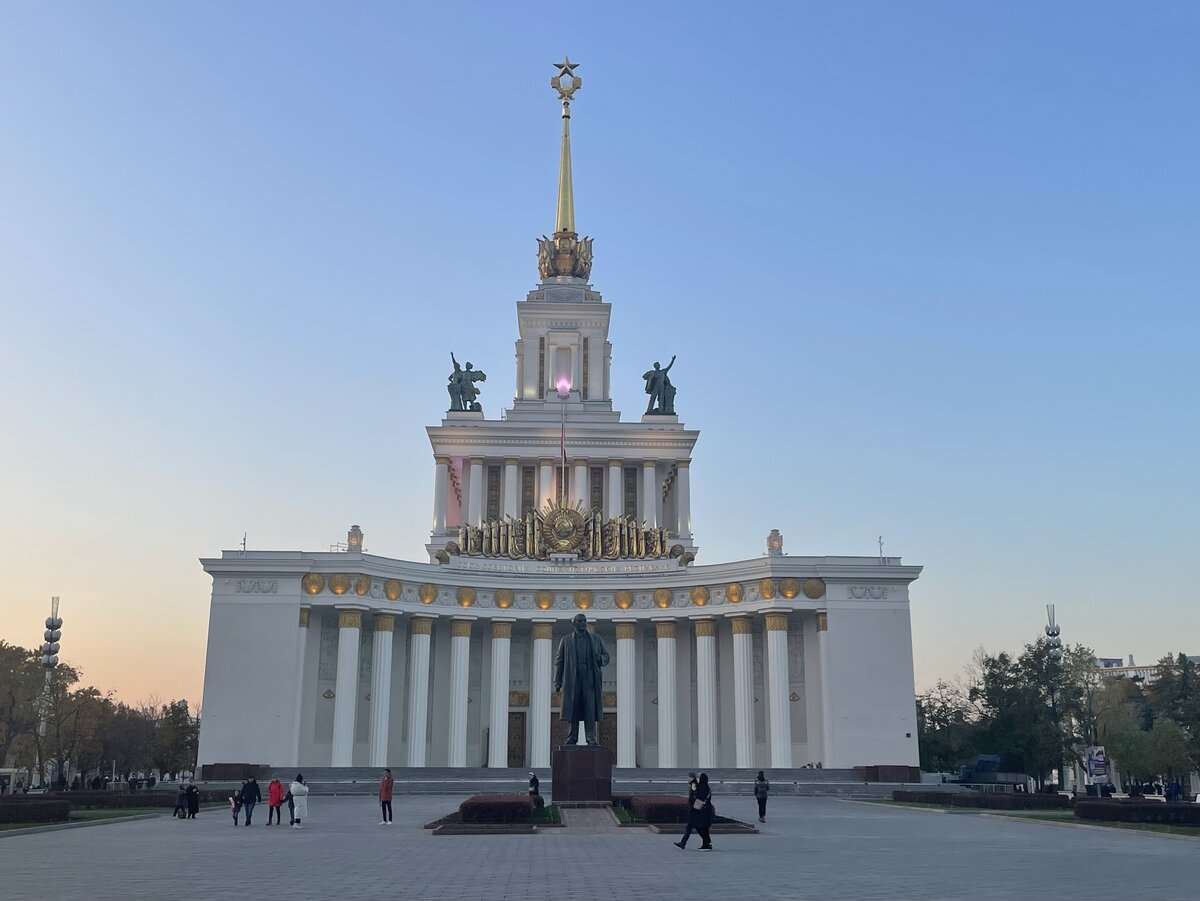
863, 592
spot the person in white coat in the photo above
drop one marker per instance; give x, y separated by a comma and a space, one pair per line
299, 799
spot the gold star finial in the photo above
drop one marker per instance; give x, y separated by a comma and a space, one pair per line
566, 82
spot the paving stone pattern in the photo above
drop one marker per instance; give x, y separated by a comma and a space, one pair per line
809, 849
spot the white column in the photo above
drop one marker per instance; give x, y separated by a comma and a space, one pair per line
475, 503
460, 660
539, 696
464, 493
441, 490
512, 488
778, 690
580, 488
667, 721
345, 690
545, 482
614, 504
498, 721
381, 688
683, 501
706, 692
301, 649
650, 495
826, 694
626, 699
743, 690
420, 629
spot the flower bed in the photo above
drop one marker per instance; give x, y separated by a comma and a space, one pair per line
1138, 812
659, 808
31, 810
496, 809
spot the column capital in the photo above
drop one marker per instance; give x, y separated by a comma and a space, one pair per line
743, 624
511, 461
547, 462
683, 464
705, 628
616, 464
477, 461
822, 621
460, 628
649, 464
441, 460
420, 625
664, 628
543, 631
502, 628
304, 614
777, 622
349, 619
384, 622
626, 629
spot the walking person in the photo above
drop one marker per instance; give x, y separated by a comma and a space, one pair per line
250, 796
761, 789
385, 798
702, 809
180, 810
275, 802
235, 803
299, 792
193, 801
687, 829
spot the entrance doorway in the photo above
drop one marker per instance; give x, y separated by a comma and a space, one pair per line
516, 738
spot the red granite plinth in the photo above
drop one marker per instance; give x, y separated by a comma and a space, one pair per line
581, 773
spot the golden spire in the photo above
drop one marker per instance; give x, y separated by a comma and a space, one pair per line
566, 82
565, 254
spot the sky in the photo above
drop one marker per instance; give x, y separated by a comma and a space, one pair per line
930, 271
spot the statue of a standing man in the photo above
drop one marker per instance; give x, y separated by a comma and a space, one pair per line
577, 676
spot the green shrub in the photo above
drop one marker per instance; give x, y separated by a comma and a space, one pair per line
497, 809
34, 810
1013, 801
923, 797
1138, 812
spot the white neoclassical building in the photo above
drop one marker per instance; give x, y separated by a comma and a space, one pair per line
559, 506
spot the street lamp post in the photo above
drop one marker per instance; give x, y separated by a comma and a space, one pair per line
1054, 671
49, 661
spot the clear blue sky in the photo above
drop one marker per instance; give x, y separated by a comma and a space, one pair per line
930, 270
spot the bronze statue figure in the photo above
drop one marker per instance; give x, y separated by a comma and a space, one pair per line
660, 389
577, 676
461, 386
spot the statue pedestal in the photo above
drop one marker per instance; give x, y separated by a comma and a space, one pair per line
581, 774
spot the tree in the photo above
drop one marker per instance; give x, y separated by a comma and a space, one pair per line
945, 727
176, 738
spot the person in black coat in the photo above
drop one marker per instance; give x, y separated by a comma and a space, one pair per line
250, 796
193, 801
687, 830
701, 814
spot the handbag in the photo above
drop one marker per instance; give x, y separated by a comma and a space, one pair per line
697, 804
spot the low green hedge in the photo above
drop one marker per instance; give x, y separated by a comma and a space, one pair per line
659, 808
1013, 801
1138, 812
497, 809
923, 797
34, 810
116, 800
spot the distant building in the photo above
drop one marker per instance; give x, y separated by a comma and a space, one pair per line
1116, 666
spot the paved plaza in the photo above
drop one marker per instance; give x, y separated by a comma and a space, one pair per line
809, 849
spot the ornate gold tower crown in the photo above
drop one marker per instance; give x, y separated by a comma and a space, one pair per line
565, 254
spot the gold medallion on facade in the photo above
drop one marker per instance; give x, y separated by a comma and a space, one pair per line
339, 583
362, 586
662, 597
313, 583
427, 593
789, 588
699, 595
563, 530
734, 592
766, 589
465, 597
623, 599
544, 599
583, 599
392, 589
814, 589
504, 598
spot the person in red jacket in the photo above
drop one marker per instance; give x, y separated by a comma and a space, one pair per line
385, 798
275, 795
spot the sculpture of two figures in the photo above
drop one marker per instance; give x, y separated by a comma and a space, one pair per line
660, 389
462, 387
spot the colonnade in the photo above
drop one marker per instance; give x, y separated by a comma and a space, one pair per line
469, 506
667, 632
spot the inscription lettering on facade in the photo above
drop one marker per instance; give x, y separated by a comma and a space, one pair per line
257, 586
874, 592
